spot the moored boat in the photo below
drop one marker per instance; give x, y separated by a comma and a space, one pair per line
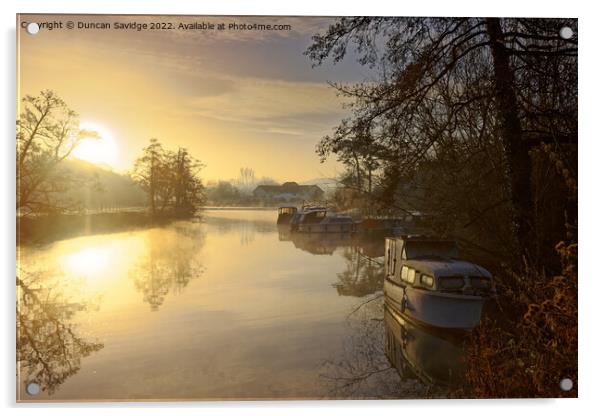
308, 215
286, 214
425, 281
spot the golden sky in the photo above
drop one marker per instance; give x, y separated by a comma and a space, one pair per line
234, 98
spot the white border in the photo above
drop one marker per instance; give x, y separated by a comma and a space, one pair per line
589, 197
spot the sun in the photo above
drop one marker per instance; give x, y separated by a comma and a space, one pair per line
101, 150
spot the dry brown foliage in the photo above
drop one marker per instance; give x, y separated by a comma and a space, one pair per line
534, 345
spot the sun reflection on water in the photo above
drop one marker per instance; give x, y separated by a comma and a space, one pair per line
89, 262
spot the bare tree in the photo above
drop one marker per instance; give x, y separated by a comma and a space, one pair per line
47, 132
246, 179
441, 84
478, 117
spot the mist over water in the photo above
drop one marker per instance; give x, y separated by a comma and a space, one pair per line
230, 307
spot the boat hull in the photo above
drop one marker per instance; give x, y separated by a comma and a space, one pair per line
437, 309
284, 219
327, 228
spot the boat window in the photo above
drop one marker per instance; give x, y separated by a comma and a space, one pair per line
479, 282
427, 280
451, 282
404, 273
411, 275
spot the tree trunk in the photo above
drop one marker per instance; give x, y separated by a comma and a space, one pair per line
516, 150
358, 176
152, 185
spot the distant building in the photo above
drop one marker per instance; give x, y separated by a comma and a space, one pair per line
288, 191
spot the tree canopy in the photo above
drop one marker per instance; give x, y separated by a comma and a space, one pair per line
170, 179
47, 132
456, 108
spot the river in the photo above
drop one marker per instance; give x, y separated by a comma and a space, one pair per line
229, 307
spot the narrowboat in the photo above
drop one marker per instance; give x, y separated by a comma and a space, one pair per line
426, 281
315, 219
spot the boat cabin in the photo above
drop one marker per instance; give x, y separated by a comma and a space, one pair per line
286, 214
426, 281
308, 216
433, 265
313, 216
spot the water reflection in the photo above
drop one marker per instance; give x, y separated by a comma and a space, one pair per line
246, 225
257, 324
362, 254
362, 276
433, 355
327, 244
49, 346
362, 369
168, 262
387, 356
314, 243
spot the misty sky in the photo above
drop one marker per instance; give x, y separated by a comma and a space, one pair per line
232, 98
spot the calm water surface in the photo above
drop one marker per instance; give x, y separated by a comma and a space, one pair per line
227, 308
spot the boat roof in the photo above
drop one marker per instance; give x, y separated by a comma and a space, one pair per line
307, 206
313, 209
447, 267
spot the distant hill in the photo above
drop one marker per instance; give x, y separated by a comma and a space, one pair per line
99, 188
